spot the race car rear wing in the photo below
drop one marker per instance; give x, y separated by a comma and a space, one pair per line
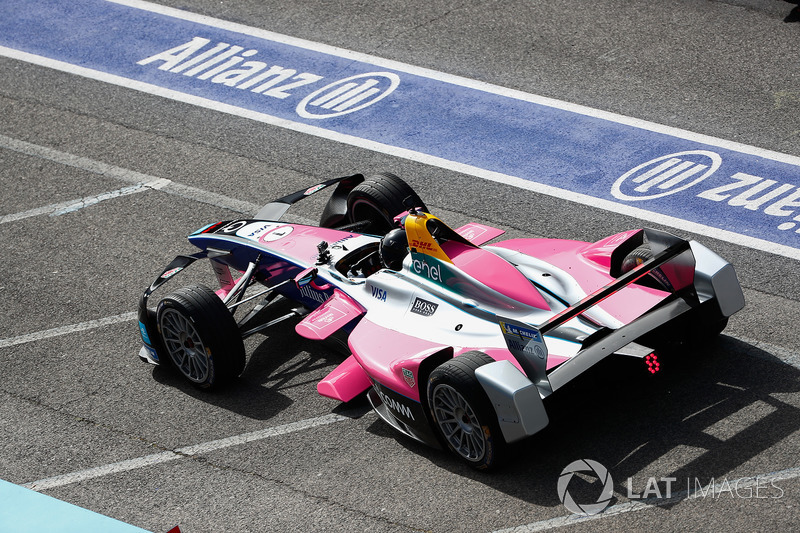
692, 272
672, 258
695, 275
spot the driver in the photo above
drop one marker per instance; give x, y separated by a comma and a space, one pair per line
393, 249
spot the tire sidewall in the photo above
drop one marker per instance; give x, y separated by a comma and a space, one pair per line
468, 387
216, 327
358, 201
172, 303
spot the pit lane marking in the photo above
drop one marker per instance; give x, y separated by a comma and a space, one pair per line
126, 175
448, 163
67, 330
70, 206
180, 453
122, 174
749, 482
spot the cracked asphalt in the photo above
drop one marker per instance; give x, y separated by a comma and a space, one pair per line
72, 401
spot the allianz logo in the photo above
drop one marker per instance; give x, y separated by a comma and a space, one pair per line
666, 175
674, 173
234, 66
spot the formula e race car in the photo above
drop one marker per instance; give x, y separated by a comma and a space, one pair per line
456, 343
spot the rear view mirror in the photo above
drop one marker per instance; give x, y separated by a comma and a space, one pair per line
305, 277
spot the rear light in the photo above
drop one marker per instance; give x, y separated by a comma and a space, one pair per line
652, 363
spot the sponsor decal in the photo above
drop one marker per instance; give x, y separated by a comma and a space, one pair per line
666, 175
348, 95
171, 272
315, 188
277, 233
523, 339
395, 405
233, 227
408, 375
340, 243
379, 294
423, 307
326, 318
421, 245
238, 68
432, 272
674, 173
520, 331
145, 336
257, 230
755, 193
311, 294
471, 232
152, 352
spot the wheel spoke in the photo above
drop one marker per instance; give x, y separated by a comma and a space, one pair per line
458, 422
184, 345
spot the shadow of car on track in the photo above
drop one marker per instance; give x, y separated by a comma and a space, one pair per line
707, 413
280, 361
794, 14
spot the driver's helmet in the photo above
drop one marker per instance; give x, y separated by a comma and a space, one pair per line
393, 249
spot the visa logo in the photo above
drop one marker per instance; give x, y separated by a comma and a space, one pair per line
379, 294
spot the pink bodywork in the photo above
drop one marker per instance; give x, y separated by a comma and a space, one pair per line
588, 264
390, 353
330, 317
494, 272
394, 357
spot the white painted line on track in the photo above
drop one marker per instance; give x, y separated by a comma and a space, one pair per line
110, 171
712, 491
180, 453
66, 330
579, 198
122, 174
70, 206
92, 200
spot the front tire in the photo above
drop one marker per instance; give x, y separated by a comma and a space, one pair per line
462, 413
200, 336
378, 199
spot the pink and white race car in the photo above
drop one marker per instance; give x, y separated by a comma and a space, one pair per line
455, 342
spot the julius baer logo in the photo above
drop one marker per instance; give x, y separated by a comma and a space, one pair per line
674, 173
241, 69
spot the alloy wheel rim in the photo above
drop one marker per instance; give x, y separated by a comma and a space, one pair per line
184, 346
458, 423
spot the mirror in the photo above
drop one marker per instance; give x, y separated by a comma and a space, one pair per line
305, 277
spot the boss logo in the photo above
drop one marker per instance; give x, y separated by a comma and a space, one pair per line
424, 307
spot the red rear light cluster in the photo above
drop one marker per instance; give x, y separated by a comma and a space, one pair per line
652, 363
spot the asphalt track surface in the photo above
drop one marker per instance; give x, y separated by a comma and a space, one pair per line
135, 443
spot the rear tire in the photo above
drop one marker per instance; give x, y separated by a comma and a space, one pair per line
200, 336
655, 278
462, 413
378, 199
